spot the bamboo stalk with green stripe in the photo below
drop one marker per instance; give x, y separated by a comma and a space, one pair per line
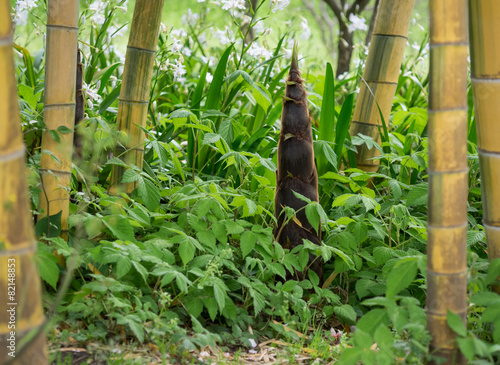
448, 175
20, 294
135, 89
380, 76
59, 108
485, 58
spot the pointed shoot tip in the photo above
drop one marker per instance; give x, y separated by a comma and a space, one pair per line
295, 57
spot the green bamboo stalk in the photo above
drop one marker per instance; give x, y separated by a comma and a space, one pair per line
381, 75
59, 108
19, 280
134, 93
485, 58
448, 172
296, 169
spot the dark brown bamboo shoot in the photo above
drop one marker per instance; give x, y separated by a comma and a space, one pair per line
296, 169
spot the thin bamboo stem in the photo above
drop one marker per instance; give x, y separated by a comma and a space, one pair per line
135, 89
19, 278
381, 75
59, 108
448, 171
485, 58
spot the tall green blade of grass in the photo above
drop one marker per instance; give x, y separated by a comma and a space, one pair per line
195, 108
342, 128
327, 117
214, 92
212, 103
28, 62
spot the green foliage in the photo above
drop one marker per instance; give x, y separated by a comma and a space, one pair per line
189, 260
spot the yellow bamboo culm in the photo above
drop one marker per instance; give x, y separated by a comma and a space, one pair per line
485, 58
59, 107
135, 89
20, 294
380, 76
448, 175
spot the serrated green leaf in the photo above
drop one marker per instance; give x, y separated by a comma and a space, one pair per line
149, 193
120, 227
186, 251
48, 269
372, 320
346, 313
401, 276
247, 242
123, 266
417, 195
456, 323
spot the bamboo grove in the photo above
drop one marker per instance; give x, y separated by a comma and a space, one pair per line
296, 175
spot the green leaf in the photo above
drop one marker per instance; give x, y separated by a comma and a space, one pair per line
485, 299
186, 251
49, 271
216, 86
207, 238
384, 338
417, 195
220, 294
123, 266
211, 305
247, 242
346, 313
372, 320
313, 216
194, 306
120, 227
493, 271
233, 227
149, 193
327, 116
141, 270
342, 127
456, 323
401, 276
137, 329
362, 339
467, 347
351, 356
50, 227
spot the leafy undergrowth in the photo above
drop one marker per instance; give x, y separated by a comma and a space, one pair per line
186, 270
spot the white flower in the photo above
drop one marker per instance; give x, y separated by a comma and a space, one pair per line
306, 31
98, 7
209, 77
178, 33
91, 93
210, 60
225, 36
179, 69
259, 52
233, 6
26, 4
176, 46
186, 51
357, 23
201, 1
252, 342
279, 4
22, 9
190, 18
